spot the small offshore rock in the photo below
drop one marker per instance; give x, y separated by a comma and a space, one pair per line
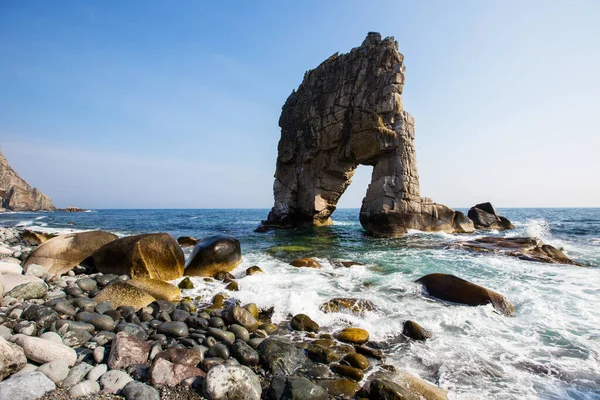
219, 253
113, 381
124, 294
232, 382
84, 388
306, 263
353, 335
140, 391
302, 322
26, 386
415, 331
254, 270
356, 360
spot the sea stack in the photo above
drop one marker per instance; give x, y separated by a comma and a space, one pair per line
348, 112
17, 195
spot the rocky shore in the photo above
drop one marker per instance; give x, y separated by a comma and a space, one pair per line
91, 315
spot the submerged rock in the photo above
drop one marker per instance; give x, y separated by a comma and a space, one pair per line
339, 304
60, 254
152, 255
306, 262
451, 288
348, 112
219, 253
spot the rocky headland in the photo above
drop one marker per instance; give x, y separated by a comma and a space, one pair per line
17, 195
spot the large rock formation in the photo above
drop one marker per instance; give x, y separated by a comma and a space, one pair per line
16, 194
348, 112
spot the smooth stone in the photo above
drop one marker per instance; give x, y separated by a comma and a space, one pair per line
43, 351
29, 290
100, 321
165, 373
42, 315
96, 372
65, 325
322, 354
5, 332
76, 374
297, 388
56, 370
53, 336
156, 288
356, 374
36, 270
139, 391
356, 360
221, 335
85, 388
245, 354
415, 331
12, 358
174, 329
124, 294
353, 335
241, 316
127, 350
76, 338
26, 386
231, 382
10, 268
104, 306
99, 353
302, 322
216, 322
87, 284
179, 315
187, 357
280, 357
340, 387
197, 323
113, 381
103, 337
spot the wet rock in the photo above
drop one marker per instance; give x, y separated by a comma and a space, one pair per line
187, 241
12, 358
485, 216
457, 290
233, 286
165, 373
154, 255
415, 331
340, 387
26, 386
356, 360
60, 254
245, 354
403, 385
186, 283
124, 294
85, 388
219, 350
140, 391
322, 354
56, 370
221, 335
280, 357
157, 288
241, 316
302, 322
254, 270
232, 382
100, 321
132, 329
296, 388
113, 381
340, 304
353, 335
355, 374
174, 329
239, 332
127, 350
306, 263
346, 264
43, 351
219, 253
87, 284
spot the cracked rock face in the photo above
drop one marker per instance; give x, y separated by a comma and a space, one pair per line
348, 112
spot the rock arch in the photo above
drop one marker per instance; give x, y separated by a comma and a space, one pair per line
348, 111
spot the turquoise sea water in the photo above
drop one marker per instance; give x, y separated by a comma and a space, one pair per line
549, 350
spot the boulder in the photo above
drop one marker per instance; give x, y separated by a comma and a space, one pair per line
26, 386
124, 294
306, 262
227, 382
166, 373
158, 289
340, 304
174, 355
60, 254
485, 216
35, 238
187, 241
127, 350
219, 253
43, 351
153, 255
451, 288
56, 370
12, 358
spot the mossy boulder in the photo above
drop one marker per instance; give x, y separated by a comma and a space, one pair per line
60, 254
156, 288
152, 255
124, 294
353, 335
451, 288
186, 283
219, 253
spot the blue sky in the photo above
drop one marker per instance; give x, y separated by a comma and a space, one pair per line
155, 104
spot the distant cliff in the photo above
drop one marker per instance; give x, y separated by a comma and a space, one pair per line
16, 194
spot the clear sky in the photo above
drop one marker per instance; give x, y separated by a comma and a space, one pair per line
156, 104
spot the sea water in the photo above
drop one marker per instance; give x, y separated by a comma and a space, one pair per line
549, 350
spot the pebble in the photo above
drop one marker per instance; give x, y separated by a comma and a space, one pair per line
113, 381
76, 374
96, 372
26, 386
84, 388
174, 329
245, 354
43, 350
100, 321
36, 270
56, 370
99, 354
218, 350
